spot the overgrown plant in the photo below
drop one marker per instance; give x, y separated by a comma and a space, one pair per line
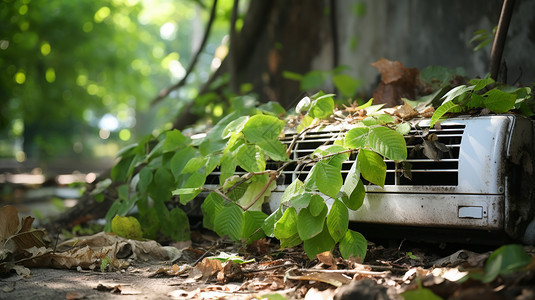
160, 170
484, 94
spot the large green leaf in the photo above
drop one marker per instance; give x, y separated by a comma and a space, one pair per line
251, 158
301, 200
317, 205
269, 223
388, 143
320, 243
229, 222
357, 137
338, 220
174, 140
372, 167
480, 84
180, 159
177, 225
252, 225
291, 241
346, 84
295, 188
355, 199
161, 185
211, 206
328, 178
334, 160
286, 226
234, 126
443, 109
505, 260
260, 128
308, 225
276, 150
352, 179
195, 164
353, 244
456, 92
498, 101
145, 179
322, 108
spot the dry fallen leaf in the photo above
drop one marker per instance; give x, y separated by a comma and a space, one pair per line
9, 222
396, 82
206, 268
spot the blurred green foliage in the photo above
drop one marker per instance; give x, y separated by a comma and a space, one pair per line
66, 64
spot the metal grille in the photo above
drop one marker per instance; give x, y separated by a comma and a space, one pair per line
442, 145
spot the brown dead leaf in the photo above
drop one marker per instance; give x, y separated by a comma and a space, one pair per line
231, 272
334, 279
405, 112
328, 259
206, 268
397, 82
428, 112
9, 222
259, 247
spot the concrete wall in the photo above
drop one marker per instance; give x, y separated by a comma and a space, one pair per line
420, 33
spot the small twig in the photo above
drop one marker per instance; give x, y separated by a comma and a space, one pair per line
270, 268
220, 193
272, 177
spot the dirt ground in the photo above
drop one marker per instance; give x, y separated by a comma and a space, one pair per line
386, 273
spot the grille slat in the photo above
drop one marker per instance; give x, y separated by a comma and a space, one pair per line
422, 171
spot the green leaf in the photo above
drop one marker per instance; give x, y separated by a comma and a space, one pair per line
180, 159
335, 160
312, 80
234, 126
322, 108
317, 205
252, 225
498, 101
328, 178
213, 142
292, 75
480, 84
403, 128
338, 220
161, 185
187, 191
320, 243
308, 226
174, 140
211, 207
229, 222
289, 242
273, 108
305, 122
195, 164
269, 222
295, 188
286, 226
356, 197
301, 200
353, 244
456, 92
420, 294
228, 166
251, 158
346, 84
145, 179
388, 143
352, 179
505, 260
443, 109
370, 121
177, 225
372, 167
260, 128
357, 137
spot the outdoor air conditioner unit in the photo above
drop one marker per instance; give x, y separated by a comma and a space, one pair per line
482, 180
